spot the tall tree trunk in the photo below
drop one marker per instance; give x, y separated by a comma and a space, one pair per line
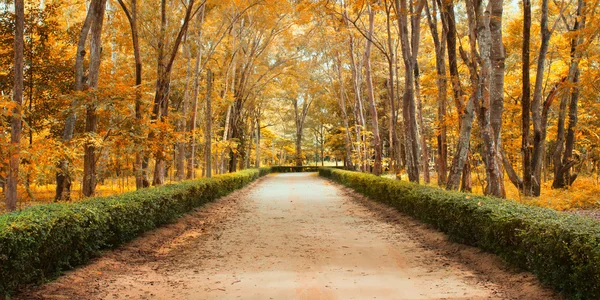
257, 160
371, 94
63, 176
16, 121
163, 83
562, 168
141, 177
460, 163
395, 153
496, 94
347, 138
526, 100
539, 128
91, 121
182, 121
423, 136
409, 55
194, 111
208, 133
298, 158
358, 110
440, 64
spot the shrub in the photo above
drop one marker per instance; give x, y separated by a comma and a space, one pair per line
563, 250
295, 169
38, 243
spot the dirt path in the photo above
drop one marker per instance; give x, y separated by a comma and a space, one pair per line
294, 236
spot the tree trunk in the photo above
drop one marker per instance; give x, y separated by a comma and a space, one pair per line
496, 95
423, 136
395, 155
163, 83
16, 121
539, 129
299, 147
371, 94
460, 163
440, 64
526, 101
63, 176
91, 121
182, 121
347, 138
409, 56
208, 133
257, 160
141, 177
562, 169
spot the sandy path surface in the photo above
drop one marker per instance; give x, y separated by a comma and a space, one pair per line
294, 236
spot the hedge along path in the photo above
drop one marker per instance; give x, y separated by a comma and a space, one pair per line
562, 249
294, 236
36, 244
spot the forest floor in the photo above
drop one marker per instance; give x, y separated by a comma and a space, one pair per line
294, 236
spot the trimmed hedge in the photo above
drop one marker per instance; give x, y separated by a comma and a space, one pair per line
295, 169
562, 249
38, 243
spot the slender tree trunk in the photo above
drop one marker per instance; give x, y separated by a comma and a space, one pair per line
141, 177
163, 83
395, 153
91, 122
347, 138
208, 134
409, 110
299, 159
496, 95
440, 63
257, 160
371, 93
526, 100
182, 121
63, 176
460, 163
539, 129
16, 121
191, 162
562, 168
423, 135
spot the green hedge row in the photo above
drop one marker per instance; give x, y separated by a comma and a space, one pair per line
295, 169
37, 243
563, 250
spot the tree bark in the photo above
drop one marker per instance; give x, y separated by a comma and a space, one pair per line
539, 128
180, 146
526, 101
440, 64
496, 94
163, 83
562, 168
141, 177
371, 95
16, 120
91, 121
63, 175
208, 133
257, 152
409, 55
347, 138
